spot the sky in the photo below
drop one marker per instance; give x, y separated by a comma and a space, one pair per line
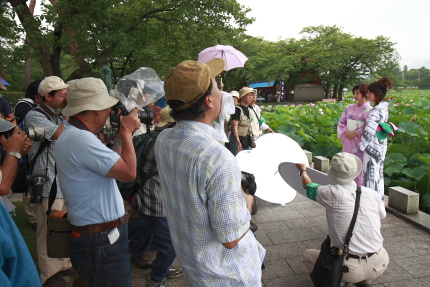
405, 22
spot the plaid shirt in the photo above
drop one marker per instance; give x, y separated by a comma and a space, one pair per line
200, 181
45, 163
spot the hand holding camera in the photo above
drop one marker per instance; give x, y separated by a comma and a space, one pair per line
131, 121
16, 142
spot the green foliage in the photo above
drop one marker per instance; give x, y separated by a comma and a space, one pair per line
314, 128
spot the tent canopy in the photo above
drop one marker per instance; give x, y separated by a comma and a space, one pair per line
262, 84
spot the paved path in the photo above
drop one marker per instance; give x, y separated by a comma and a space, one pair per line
286, 231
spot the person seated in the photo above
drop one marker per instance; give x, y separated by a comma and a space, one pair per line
367, 258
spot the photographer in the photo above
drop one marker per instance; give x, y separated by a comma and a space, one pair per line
16, 265
87, 170
53, 92
14, 147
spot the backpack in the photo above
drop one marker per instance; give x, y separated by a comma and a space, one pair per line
128, 189
25, 167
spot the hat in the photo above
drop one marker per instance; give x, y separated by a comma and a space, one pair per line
244, 91
156, 110
5, 125
87, 94
344, 167
189, 81
165, 117
235, 94
49, 84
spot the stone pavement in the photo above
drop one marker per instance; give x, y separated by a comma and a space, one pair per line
286, 231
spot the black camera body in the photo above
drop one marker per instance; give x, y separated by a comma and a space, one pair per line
145, 117
36, 182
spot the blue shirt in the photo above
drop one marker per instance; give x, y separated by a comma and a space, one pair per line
200, 182
82, 163
16, 265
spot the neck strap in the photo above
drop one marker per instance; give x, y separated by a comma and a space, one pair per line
78, 123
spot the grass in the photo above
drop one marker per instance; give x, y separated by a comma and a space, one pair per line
29, 235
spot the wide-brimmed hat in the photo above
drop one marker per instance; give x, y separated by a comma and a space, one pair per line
345, 167
235, 94
165, 117
87, 94
49, 84
5, 125
189, 81
244, 91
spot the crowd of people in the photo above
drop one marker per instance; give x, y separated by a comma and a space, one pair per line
188, 200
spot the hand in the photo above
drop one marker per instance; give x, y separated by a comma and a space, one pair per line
350, 135
239, 146
131, 122
270, 130
27, 145
16, 141
301, 166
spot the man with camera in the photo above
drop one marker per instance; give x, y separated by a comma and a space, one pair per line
87, 170
200, 181
43, 177
17, 267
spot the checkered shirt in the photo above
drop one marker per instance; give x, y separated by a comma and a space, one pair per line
45, 163
200, 182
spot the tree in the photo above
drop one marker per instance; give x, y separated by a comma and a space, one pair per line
126, 34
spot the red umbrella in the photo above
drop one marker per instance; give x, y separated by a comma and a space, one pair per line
232, 57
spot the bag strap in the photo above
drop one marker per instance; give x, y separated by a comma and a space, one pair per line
353, 220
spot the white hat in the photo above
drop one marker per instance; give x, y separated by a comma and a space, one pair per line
235, 94
246, 90
344, 167
49, 84
87, 94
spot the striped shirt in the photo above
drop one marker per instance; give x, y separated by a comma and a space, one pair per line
148, 198
200, 183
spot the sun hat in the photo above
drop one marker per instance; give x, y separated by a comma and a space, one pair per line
235, 94
87, 94
189, 81
49, 84
345, 167
165, 117
5, 125
246, 90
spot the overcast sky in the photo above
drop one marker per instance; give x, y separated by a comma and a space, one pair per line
405, 22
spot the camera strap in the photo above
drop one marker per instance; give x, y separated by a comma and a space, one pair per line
77, 123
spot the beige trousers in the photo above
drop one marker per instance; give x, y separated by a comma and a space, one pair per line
359, 269
28, 208
48, 266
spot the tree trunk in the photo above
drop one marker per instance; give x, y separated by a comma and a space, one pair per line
335, 89
340, 93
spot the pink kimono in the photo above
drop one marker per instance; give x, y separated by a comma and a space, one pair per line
354, 112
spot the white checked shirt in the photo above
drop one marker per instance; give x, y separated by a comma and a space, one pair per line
200, 181
339, 201
44, 164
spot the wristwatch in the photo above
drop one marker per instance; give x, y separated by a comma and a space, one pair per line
15, 154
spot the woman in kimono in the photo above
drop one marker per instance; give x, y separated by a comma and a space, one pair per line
373, 147
352, 122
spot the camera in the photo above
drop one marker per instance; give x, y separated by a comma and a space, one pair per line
145, 117
36, 182
36, 133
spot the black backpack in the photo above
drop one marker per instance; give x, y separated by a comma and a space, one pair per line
128, 189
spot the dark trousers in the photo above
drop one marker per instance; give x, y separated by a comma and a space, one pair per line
100, 262
157, 229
